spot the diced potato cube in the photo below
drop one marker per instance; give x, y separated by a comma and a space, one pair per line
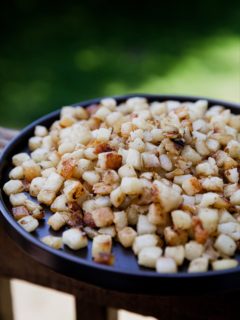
137, 144
165, 162
34, 143
177, 253
212, 184
232, 229
117, 197
127, 171
102, 113
192, 186
150, 160
143, 241
29, 223
198, 265
35, 209
131, 186
181, 219
166, 265
36, 186
40, 131
156, 215
175, 237
91, 177
225, 245
58, 220
109, 160
148, 256
144, 226
74, 239
193, 250
31, 170
19, 158
102, 244
102, 134
168, 197
40, 154
73, 189
60, 204
102, 217
232, 175
134, 159
20, 212
16, 173
127, 236
224, 264
209, 218
225, 216
120, 219
17, 199
189, 154
13, 186
50, 188
51, 241
235, 198
66, 147
207, 168
209, 199
111, 231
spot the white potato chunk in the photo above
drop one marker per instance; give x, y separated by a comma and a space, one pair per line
50, 188
232, 229
117, 197
16, 173
134, 159
28, 223
102, 244
175, 252
198, 265
148, 256
36, 186
235, 198
224, 264
131, 186
126, 236
120, 219
193, 250
102, 217
51, 241
166, 265
143, 241
225, 245
58, 220
74, 239
209, 218
168, 197
17, 199
19, 158
13, 186
181, 219
144, 226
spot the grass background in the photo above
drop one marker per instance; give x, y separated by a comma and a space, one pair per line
54, 53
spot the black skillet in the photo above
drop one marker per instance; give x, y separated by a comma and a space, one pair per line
125, 275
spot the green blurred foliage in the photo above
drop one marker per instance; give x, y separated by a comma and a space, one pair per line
57, 53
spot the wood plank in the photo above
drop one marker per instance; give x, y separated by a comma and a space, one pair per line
6, 311
87, 310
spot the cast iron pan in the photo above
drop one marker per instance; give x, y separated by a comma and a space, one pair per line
125, 275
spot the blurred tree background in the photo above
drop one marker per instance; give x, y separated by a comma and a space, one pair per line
54, 53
